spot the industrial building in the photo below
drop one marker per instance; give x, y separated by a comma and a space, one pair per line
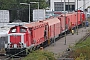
58, 5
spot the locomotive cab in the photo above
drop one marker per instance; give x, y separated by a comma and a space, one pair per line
17, 40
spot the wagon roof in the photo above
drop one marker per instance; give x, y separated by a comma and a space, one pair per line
52, 21
35, 24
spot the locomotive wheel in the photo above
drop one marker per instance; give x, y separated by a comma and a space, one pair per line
30, 50
51, 41
34, 48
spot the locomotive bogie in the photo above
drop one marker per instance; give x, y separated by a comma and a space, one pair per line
16, 52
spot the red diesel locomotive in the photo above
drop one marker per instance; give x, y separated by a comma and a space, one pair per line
22, 39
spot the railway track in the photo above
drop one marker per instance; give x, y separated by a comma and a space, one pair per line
9, 58
68, 52
4, 57
85, 37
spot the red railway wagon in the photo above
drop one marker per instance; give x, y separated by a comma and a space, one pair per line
69, 20
68, 23
54, 27
37, 32
81, 17
74, 20
62, 23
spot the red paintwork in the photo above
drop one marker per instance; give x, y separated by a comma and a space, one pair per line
15, 39
37, 32
69, 20
83, 16
57, 13
74, 19
62, 20
79, 19
54, 26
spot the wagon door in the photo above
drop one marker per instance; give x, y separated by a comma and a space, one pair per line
46, 32
67, 21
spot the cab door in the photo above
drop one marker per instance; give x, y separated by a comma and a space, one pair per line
28, 37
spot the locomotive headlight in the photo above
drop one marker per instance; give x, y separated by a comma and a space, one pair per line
8, 45
24, 45
15, 45
20, 43
5, 45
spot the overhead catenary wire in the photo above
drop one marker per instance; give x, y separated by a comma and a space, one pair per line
83, 5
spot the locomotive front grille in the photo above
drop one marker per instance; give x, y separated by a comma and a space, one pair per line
15, 40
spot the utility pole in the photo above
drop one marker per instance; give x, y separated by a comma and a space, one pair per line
77, 17
84, 12
65, 21
61, 3
29, 9
75, 3
38, 10
29, 13
68, 6
54, 38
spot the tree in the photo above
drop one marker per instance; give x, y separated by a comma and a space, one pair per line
18, 11
12, 4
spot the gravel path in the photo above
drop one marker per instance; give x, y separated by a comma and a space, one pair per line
59, 46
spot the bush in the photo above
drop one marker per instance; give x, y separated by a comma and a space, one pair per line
82, 50
40, 55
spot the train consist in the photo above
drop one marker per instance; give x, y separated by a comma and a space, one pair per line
24, 38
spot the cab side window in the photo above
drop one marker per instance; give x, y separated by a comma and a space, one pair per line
13, 30
23, 30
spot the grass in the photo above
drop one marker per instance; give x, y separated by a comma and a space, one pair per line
88, 19
82, 50
83, 43
40, 55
